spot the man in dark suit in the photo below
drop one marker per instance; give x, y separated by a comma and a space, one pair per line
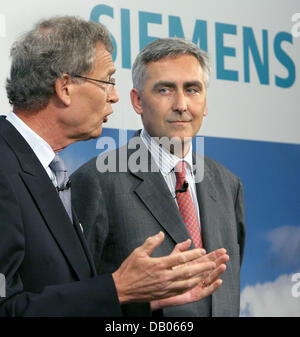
164, 185
61, 89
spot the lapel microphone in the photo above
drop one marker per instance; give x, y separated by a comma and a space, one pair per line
64, 187
183, 189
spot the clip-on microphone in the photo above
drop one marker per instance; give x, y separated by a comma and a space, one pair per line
183, 189
64, 187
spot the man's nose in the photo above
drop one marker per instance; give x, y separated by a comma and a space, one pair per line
180, 103
113, 95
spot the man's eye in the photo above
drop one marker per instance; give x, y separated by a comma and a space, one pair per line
112, 79
164, 90
192, 90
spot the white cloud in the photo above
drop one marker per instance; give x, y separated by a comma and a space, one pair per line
271, 299
285, 245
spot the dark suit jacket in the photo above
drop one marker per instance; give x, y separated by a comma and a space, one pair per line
120, 210
48, 268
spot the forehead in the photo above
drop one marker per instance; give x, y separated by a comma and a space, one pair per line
182, 67
103, 63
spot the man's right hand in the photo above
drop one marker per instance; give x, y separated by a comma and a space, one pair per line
142, 278
210, 279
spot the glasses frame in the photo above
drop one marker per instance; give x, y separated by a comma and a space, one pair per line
94, 79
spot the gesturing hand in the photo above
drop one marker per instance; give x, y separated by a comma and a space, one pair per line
209, 283
142, 278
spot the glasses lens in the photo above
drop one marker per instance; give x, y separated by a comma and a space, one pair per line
109, 88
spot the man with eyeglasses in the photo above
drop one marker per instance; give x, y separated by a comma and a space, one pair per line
61, 89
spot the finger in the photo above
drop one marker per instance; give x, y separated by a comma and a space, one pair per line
180, 258
151, 243
211, 288
185, 282
181, 286
215, 274
190, 271
216, 254
182, 246
185, 245
222, 259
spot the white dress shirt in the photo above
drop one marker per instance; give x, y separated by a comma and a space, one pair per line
39, 146
166, 162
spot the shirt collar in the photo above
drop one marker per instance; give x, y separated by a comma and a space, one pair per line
165, 160
39, 146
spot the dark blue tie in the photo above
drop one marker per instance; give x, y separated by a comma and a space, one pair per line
63, 183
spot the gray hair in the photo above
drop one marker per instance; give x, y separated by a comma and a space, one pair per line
55, 46
167, 48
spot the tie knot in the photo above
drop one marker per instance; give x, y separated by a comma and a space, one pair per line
58, 165
59, 169
180, 171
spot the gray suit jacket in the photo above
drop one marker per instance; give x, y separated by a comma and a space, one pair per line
120, 210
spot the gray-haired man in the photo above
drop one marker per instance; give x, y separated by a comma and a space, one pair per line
170, 192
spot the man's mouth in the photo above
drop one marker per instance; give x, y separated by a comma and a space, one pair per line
179, 122
105, 119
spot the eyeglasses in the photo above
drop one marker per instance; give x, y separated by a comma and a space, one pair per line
110, 84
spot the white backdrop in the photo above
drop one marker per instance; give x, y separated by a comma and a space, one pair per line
237, 109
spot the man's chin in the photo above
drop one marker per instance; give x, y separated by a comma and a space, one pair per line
91, 135
97, 133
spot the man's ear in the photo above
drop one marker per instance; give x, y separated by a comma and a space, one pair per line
136, 101
63, 88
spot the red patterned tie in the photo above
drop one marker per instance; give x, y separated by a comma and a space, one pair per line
186, 206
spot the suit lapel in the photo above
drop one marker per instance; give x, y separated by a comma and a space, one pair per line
47, 200
155, 194
206, 195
